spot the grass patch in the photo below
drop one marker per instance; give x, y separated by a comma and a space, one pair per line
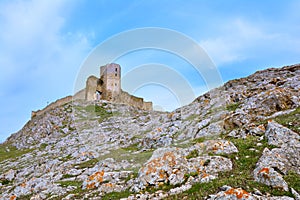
95, 110
5, 181
233, 106
133, 147
25, 197
8, 151
87, 164
192, 117
293, 180
67, 176
290, 120
43, 146
64, 159
70, 183
193, 154
116, 195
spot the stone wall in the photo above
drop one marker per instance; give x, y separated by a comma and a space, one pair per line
91, 87
131, 100
55, 104
80, 95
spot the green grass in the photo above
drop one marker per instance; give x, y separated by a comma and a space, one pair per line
43, 146
193, 154
95, 110
232, 107
70, 183
5, 182
68, 176
13, 152
65, 159
290, 120
293, 180
133, 147
87, 164
116, 195
192, 117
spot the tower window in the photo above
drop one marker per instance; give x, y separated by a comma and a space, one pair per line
116, 74
115, 84
116, 69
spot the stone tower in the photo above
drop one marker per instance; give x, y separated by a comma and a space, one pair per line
110, 81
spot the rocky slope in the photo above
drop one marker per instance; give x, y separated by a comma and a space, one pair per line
239, 141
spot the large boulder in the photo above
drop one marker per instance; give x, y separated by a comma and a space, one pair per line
167, 165
279, 135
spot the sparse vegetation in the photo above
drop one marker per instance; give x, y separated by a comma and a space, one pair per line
191, 117
290, 120
193, 154
232, 107
70, 183
67, 176
116, 195
87, 164
8, 151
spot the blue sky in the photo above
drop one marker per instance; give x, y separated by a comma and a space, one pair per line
43, 44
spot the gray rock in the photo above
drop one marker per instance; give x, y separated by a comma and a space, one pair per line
268, 176
279, 135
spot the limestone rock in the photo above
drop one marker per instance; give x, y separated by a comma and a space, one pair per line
279, 135
165, 165
269, 176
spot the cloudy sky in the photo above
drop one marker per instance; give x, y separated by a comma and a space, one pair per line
44, 43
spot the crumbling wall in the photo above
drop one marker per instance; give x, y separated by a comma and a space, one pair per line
51, 106
80, 95
92, 84
147, 106
131, 100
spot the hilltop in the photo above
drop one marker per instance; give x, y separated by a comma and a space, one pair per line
238, 141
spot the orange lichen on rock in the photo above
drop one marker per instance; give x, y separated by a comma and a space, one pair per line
13, 197
90, 186
170, 157
262, 127
206, 102
265, 170
162, 174
108, 185
152, 166
159, 129
23, 185
238, 192
170, 115
97, 176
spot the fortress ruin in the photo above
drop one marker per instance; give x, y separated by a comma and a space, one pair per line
108, 87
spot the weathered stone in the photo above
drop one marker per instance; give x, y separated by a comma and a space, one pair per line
279, 135
269, 176
165, 165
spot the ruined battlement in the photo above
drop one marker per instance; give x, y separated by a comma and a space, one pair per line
108, 87
51, 106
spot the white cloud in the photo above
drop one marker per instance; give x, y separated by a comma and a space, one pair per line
33, 43
234, 39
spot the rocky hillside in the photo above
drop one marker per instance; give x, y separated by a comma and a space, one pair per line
239, 141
